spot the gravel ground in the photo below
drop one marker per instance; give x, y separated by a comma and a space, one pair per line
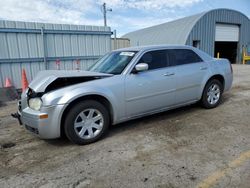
186, 147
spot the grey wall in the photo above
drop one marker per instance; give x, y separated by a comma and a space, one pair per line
22, 45
204, 29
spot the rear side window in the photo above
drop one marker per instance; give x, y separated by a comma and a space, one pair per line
183, 56
155, 59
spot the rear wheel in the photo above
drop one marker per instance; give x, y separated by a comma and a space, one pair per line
212, 94
86, 122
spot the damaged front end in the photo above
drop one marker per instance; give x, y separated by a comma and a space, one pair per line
63, 82
51, 80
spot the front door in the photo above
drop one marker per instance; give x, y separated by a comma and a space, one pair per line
151, 90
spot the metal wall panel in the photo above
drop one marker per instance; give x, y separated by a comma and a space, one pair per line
22, 45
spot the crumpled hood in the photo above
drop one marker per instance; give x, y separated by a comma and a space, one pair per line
45, 78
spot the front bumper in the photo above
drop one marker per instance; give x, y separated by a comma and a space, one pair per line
44, 123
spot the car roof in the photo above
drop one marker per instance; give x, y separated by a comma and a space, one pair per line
154, 47
202, 54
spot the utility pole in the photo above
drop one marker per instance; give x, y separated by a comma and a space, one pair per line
104, 10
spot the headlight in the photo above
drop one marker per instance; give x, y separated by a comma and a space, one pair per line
35, 103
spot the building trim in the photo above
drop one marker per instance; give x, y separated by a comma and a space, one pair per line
41, 59
50, 31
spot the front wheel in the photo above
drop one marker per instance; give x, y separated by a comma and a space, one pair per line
212, 94
86, 122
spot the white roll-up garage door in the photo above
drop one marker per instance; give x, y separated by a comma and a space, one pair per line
227, 32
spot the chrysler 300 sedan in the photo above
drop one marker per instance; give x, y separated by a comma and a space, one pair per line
122, 85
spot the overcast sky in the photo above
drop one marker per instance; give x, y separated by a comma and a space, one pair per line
126, 15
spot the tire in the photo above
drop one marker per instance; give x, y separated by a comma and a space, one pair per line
86, 122
212, 94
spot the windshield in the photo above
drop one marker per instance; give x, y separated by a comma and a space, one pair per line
113, 62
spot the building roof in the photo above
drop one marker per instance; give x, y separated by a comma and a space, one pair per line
174, 32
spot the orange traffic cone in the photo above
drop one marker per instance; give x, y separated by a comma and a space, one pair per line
7, 83
25, 83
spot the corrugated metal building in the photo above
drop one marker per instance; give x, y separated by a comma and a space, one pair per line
220, 30
37, 46
117, 43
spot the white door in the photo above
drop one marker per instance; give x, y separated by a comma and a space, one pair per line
227, 32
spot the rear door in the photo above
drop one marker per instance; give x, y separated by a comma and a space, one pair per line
191, 70
153, 89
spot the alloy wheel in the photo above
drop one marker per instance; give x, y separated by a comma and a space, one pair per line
213, 94
88, 123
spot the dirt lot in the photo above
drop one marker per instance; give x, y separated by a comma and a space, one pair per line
187, 147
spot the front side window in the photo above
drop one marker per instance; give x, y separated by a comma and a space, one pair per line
183, 56
155, 59
113, 62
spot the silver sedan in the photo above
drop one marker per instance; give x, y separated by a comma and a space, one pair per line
122, 85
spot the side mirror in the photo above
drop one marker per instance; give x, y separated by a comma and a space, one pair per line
141, 67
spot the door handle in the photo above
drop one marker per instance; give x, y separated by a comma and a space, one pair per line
169, 74
203, 68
